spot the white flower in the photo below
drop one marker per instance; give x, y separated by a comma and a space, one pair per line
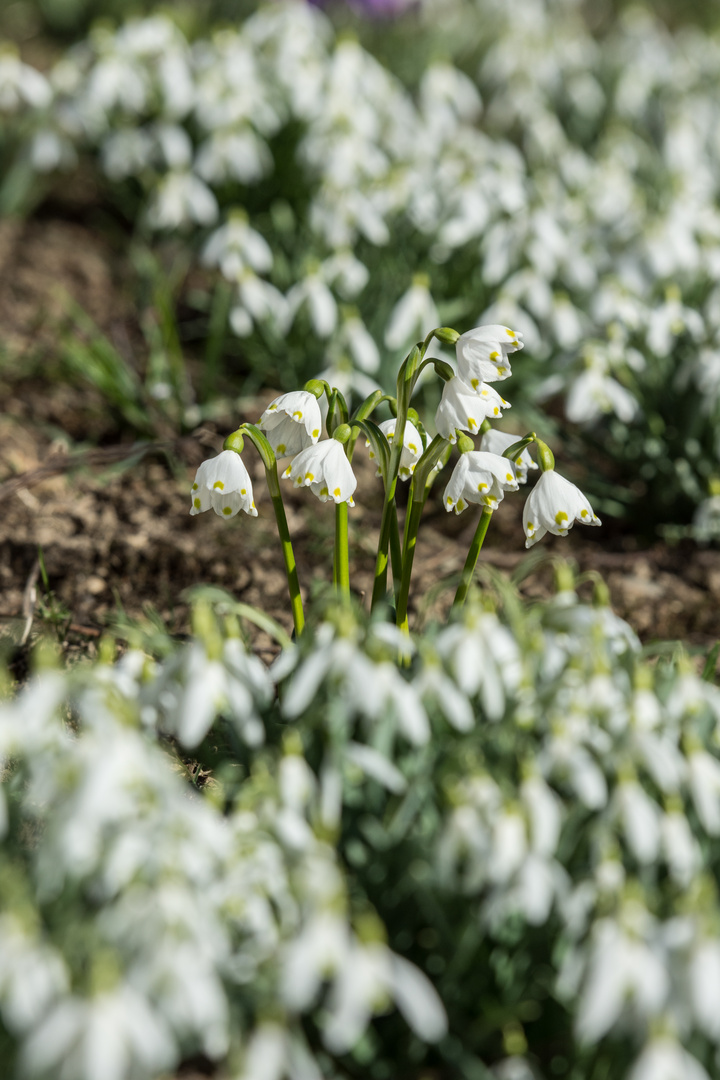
665, 1059
554, 505
320, 300
414, 313
482, 354
292, 422
465, 408
479, 477
324, 468
224, 484
593, 394
236, 245
412, 446
497, 442
258, 301
359, 342
21, 84
182, 199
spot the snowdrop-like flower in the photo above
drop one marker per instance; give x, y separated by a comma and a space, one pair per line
111, 1034
320, 301
595, 393
292, 422
554, 505
414, 313
355, 337
182, 199
258, 301
465, 408
497, 442
482, 354
412, 446
224, 484
21, 84
236, 245
325, 469
664, 1059
479, 477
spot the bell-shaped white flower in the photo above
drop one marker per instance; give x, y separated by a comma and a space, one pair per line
292, 422
414, 314
412, 446
223, 484
325, 469
482, 354
479, 477
554, 505
465, 408
497, 442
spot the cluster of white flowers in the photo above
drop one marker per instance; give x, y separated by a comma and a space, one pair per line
548, 194
545, 770
528, 179
171, 914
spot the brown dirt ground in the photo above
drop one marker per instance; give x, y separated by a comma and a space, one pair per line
113, 524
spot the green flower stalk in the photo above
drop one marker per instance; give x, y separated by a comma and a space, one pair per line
423, 478
263, 447
472, 558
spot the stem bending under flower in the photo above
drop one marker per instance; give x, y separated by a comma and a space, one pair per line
267, 454
472, 558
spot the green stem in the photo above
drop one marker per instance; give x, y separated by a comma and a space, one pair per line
413, 524
396, 559
341, 564
472, 558
273, 484
381, 562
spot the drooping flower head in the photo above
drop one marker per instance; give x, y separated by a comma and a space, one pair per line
554, 505
325, 469
465, 408
497, 442
479, 477
223, 484
292, 422
482, 354
412, 446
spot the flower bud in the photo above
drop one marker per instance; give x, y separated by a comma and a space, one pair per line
443, 369
342, 433
547, 459
316, 387
446, 335
234, 442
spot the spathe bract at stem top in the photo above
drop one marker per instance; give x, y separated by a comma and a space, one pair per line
291, 426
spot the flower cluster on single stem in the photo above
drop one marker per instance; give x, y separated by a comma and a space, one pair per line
292, 424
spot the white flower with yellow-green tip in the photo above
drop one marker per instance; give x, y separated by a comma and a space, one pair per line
325, 469
292, 422
482, 354
223, 484
479, 477
412, 446
464, 408
554, 505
